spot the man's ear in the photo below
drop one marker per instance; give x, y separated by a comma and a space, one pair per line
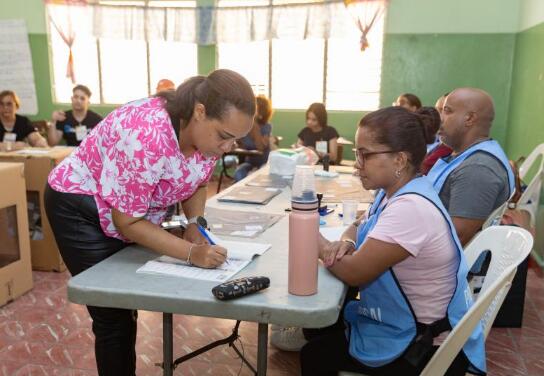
471, 118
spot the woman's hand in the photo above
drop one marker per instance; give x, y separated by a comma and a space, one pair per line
192, 235
208, 256
334, 251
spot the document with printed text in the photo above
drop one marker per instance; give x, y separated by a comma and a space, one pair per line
239, 255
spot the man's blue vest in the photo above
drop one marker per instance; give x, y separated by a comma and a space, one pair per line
382, 323
443, 168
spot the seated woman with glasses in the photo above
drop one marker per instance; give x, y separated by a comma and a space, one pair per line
405, 259
16, 130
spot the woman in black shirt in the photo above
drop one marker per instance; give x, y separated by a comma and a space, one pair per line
317, 134
15, 130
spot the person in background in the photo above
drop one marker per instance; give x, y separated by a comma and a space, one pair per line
165, 84
75, 124
317, 135
432, 121
257, 139
409, 101
476, 178
16, 130
115, 188
405, 259
439, 105
439, 150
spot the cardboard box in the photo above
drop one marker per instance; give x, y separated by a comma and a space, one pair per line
38, 164
15, 270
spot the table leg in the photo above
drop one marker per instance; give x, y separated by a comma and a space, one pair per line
262, 349
167, 344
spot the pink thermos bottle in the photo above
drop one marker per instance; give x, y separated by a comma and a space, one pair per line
303, 234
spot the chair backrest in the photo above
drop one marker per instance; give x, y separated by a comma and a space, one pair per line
530, 160
530, 197
509, 246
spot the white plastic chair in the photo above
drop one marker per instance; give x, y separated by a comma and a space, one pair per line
530, 160
530, 198
509, 246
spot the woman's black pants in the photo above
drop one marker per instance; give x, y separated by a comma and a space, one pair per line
82, 244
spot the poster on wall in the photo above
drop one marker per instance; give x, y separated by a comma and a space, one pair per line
16, 65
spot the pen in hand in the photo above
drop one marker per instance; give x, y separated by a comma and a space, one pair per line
205, 234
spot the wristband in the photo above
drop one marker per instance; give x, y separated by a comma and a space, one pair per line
198, 220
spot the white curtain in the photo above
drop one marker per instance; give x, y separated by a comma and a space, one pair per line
211, 25
65, 21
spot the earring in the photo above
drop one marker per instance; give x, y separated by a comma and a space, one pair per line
397, 174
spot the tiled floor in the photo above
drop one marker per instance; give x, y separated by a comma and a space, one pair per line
41, 333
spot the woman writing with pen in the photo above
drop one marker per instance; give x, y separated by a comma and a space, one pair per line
115, 189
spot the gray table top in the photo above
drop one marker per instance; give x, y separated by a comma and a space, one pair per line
115, 283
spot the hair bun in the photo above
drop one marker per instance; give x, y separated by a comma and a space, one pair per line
430, 120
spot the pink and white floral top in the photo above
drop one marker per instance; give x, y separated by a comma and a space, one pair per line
131, 162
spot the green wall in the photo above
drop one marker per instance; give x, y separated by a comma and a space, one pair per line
430, 65
450, 17
526, 118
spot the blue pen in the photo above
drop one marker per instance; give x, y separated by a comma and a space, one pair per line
205, 234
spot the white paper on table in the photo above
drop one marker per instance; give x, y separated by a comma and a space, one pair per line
326, 174
244, 233
33, 151
239, 255
254, 227
332, 233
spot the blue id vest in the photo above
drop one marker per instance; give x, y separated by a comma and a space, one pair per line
442, 168
382, 323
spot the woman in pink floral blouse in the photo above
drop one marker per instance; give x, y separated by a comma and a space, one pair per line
115, 188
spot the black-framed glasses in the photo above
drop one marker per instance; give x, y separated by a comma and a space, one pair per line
361, 156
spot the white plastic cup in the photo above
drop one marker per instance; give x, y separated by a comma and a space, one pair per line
349, 211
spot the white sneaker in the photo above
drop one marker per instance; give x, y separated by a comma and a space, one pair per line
288, 338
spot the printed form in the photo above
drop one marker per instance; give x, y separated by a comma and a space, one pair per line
239, 255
